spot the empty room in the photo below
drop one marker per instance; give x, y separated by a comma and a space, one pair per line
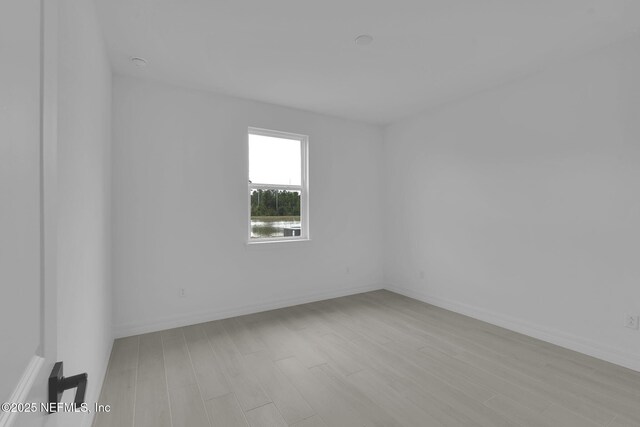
336, 213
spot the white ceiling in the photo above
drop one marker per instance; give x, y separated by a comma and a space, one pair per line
301, 53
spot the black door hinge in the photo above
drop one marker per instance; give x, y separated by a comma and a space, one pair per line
58, 384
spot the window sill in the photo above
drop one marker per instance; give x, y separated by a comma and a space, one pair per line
261, 242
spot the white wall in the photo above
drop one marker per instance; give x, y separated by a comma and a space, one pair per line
522, 204
84, 155
180, 209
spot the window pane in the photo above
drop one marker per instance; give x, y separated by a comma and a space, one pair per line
275, 213
274, 160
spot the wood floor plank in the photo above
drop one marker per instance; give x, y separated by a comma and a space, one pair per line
169, 334
346, 312
329, 405
177, 362
118, 391
315, 421
558, 416
529, 398
224, 349
622, 422
390, 400
242, 336
328, 320
187, 407
365, 407
443, 391
519, 414
406, 385
334, 356
599, 392
241, 380
443, 372
124, 354
283, 342
151, 385
152, 415
398, 331
421, 388
284, 395
151, 360
266, 416
298, 317
209, 374
225, 411
564, 398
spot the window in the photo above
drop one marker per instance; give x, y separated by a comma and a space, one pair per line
278, 188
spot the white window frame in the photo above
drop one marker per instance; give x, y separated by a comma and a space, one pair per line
303, 188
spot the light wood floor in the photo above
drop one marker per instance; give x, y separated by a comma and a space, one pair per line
374, 359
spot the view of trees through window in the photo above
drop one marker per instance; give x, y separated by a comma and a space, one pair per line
275, 213
275, 203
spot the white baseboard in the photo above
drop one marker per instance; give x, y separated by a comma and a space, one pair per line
22, 390
130, 329
562, 339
